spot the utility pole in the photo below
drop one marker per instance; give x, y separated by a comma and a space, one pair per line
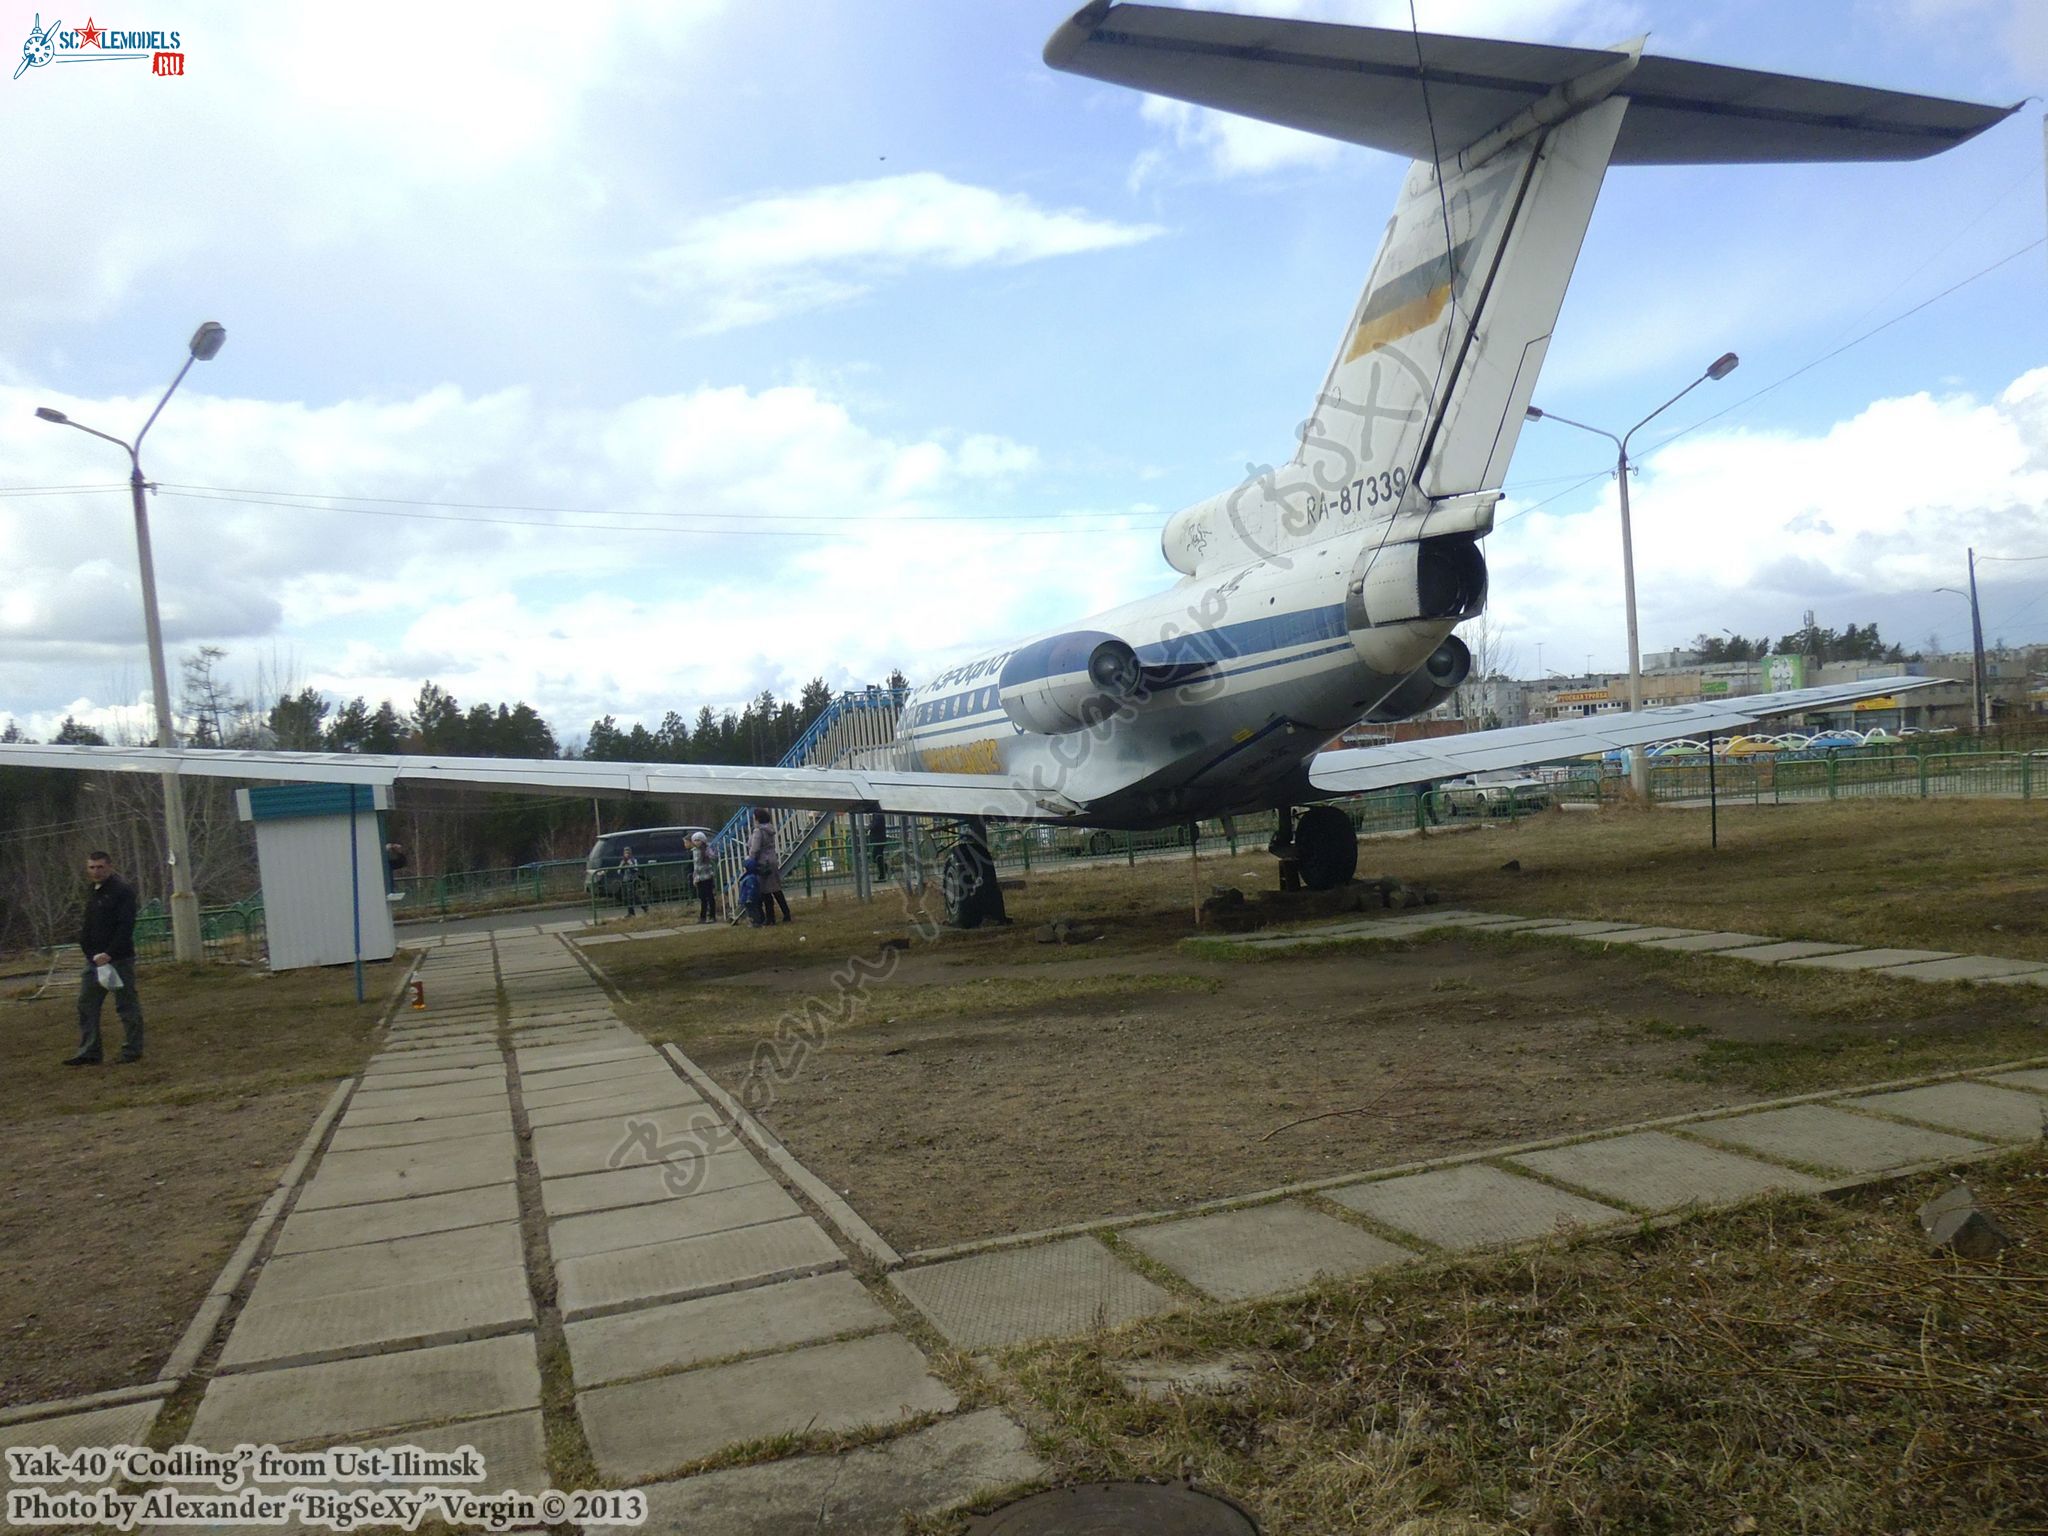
1976, 650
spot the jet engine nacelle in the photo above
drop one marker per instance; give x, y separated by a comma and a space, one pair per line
1068, 682
1429, 685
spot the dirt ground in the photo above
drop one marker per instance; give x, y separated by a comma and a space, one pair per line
126, 1188
991, 1084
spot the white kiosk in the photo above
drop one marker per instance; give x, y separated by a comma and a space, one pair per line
320, 905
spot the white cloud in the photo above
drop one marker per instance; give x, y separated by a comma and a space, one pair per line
788, 253
859, 562
352, 133
1749, 528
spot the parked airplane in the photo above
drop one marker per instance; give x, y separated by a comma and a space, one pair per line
1327, 590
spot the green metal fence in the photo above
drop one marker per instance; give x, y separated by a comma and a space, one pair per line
1849, 775
233, 932
483, 890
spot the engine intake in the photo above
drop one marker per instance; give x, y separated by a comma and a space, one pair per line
1435, 578
1069, 682
1429, 685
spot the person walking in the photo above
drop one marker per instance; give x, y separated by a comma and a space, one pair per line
629, 881
761, 849
107, 935
878, 845
747, 901
704, 875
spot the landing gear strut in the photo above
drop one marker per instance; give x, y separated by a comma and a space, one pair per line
1325, 847
972, 893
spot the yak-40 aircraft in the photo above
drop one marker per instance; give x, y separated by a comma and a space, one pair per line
1327, 590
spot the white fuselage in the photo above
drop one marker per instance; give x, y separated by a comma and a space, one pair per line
1258, 668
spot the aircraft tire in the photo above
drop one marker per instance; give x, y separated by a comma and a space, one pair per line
965, 884
1325, 847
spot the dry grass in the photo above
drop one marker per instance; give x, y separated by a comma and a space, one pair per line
128, 1186
1960, 875
1794, 1366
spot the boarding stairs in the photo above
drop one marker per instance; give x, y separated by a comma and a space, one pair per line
856, 730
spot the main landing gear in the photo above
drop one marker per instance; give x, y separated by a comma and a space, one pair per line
1320, 844
968, 883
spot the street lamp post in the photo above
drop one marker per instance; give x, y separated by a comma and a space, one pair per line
1976, 645
1720, 368
185, 939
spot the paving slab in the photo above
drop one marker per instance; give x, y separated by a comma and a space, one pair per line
867, 1492
661, 1221
491, 1076
1968, 968
1473, 1206
1642, 934
1586, 929
1052, 1290
449, 1307
677, 1138
513, 1447
2020, 979
2035, 1078
1656, 1172
390, 1108
693, 1265
624, 1069
534, 1059
602, 1101
409, 1133
1869, 959
395, 1173
1264, 1251
1786, 949
491, 1085
645, 1428
575, 1194
1707, 943
394, 1261
391, 1063
1974, 1109
1825, 1137
345, 1226
759, 1320
120, 1424
475, 1379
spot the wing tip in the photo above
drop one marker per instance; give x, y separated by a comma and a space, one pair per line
1072, 34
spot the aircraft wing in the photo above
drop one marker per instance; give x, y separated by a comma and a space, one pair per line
1425, 96
1353, 771
899, 791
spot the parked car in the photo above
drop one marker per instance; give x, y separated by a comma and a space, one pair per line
651, 846
1501, 793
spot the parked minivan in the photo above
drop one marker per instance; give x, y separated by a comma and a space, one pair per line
664, 847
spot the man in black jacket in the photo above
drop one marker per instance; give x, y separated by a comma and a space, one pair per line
108, 938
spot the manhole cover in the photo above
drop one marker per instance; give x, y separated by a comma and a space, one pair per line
1119, 1509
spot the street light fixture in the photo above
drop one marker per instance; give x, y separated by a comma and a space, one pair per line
185, 941
1720, 368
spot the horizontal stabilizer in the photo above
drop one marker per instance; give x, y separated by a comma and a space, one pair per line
1354, 771
1365, 85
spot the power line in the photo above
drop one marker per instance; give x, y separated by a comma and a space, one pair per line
1829, 356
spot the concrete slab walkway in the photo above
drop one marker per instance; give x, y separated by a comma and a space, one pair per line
517, 1166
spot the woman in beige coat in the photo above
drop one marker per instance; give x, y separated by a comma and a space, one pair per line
761, 849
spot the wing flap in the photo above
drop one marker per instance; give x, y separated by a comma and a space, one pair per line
1360, 769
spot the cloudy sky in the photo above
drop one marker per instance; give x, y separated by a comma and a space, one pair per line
626, 358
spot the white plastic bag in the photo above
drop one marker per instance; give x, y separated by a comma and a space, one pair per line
109, 977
